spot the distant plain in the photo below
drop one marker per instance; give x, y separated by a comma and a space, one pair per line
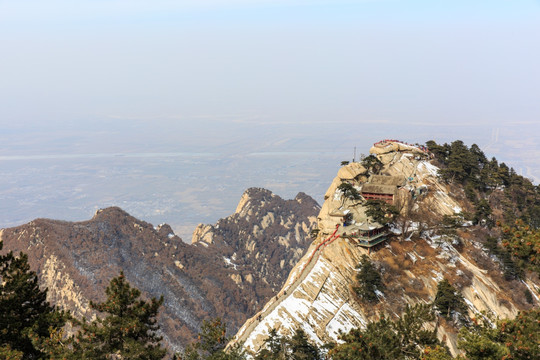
175, 172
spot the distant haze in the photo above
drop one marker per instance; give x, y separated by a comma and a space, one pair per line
170, 109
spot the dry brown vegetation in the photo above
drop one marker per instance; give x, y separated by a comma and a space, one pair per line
92, 252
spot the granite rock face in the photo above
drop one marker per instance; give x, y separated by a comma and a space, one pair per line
264, 238
318, 297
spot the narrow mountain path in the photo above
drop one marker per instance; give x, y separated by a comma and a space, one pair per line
282, 295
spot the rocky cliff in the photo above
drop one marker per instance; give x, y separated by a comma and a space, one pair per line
229, 270
264, 238
318, 296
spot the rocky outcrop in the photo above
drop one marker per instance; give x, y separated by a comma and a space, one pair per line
384, 147
266, 235
228, 272
318, 298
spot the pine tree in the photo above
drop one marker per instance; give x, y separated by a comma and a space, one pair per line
127, 332
481, 341
369, 280
26, 318
349, 191
441, 152
274, 347
372, 164
211, 344
522, 335
381, 211
411, 331
482, 212
511, 339
436, 353
523, 243
7, 353
448, 301
297, 347
403, 339
301, 348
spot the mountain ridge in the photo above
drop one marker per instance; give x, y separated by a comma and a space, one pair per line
76, 260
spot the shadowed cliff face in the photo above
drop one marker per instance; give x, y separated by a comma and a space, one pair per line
226, 277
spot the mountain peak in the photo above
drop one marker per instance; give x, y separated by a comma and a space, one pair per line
318, 297
253, 197
303, 198
111, 212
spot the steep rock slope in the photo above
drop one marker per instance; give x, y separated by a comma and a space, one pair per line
76, 260
318, 296
265, 235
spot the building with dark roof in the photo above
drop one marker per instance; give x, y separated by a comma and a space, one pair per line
381, 187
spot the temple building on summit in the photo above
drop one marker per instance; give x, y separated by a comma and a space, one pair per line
381, 187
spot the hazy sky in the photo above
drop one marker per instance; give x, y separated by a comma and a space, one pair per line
104, 102
273, 61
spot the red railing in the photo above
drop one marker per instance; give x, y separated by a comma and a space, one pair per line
330, 239
420, 147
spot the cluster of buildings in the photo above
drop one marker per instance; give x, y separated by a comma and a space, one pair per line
349, 213
360, 228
